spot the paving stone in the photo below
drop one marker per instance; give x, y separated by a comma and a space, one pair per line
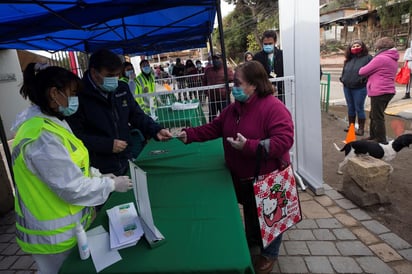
282, 250
345, 265
375, 227
3, 246
318, 264
374, 265
365, 235
359, 214
301, 235
333, 194
344, 234
6, 237
395, 241
296, 248
407, 253
353, 248
289, 264
346, 204
323, 235
403, 267
7, 262
324, 200
24, 262
313, 210
334, 209
328, 223
307, 223
322, 248
11, 249
305, 196
346, 220
385, 252
327, 187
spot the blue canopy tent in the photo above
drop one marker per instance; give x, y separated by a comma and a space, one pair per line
124, 26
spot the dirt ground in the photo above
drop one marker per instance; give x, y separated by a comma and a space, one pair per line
397, 215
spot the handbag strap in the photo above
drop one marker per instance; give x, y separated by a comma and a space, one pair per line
262, 153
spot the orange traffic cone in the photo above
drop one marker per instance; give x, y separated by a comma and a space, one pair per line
350, 136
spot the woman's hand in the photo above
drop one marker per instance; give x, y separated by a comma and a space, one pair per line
182, 136
164, 135
237, 143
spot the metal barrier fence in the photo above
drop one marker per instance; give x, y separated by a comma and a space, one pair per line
325, 92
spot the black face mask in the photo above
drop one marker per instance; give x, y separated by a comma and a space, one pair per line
217, 63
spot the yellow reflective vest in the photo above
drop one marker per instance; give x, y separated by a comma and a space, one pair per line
143, 83
45, 223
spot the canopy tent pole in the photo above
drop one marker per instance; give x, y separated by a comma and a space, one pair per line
222, 46
6, 148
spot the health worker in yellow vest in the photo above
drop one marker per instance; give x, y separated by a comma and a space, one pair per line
145, 83
129, 76
55, 185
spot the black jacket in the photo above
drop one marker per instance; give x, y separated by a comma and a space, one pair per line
262, 57
350, 72
99, 121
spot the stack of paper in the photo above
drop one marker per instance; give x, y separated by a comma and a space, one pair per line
124, 226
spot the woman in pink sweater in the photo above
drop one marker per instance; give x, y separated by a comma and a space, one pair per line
255, 116
381, 72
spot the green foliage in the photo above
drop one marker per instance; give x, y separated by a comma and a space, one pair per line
390, 15
244, 26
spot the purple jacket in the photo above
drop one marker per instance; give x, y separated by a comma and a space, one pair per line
256, 119
381, 72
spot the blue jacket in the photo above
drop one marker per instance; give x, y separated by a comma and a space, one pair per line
100, 120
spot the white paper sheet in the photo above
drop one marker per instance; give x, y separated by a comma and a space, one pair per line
102, 255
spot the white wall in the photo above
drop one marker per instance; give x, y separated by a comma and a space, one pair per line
299, 33
11, 102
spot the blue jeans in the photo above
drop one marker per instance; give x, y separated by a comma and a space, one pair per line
355, 100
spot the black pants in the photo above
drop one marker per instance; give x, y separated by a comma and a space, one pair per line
377, 117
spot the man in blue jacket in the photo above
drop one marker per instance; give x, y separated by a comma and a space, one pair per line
106, 114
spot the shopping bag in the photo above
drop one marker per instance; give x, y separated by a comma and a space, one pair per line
277, 203
404, 74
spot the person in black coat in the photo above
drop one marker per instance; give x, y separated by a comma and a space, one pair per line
107, 113
272, 59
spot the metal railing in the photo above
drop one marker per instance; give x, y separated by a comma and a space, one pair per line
325, 92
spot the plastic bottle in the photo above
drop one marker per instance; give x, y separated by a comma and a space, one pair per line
82, 242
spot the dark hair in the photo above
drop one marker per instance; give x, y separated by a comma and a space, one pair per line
104, 58
255, 74
348, 55
189, 63
269, 34
36, 85
198, 61
143, 62
126, 64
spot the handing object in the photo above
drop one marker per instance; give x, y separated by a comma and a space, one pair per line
122, 184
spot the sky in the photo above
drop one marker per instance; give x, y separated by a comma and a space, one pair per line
226, 8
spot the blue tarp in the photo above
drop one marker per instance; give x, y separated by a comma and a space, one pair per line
124, 26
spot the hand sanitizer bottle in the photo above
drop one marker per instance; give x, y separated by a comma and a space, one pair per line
82, 242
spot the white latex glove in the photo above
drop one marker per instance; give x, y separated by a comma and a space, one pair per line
237, 143
122, 184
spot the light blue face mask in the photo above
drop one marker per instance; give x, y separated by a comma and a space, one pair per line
268, 48
110, 84
146, 69
72, 106
128, 73
239, 94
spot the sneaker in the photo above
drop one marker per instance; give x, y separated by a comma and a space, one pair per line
406, 96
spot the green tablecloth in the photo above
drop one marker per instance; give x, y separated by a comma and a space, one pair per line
170, 118
194, 207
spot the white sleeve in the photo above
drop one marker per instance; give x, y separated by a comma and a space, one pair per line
50, 161
408, 55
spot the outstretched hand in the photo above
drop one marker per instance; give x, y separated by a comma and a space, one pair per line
237, 143
182, 137
164, 135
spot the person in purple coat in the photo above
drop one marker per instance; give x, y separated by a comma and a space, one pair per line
381, 72
256, 116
